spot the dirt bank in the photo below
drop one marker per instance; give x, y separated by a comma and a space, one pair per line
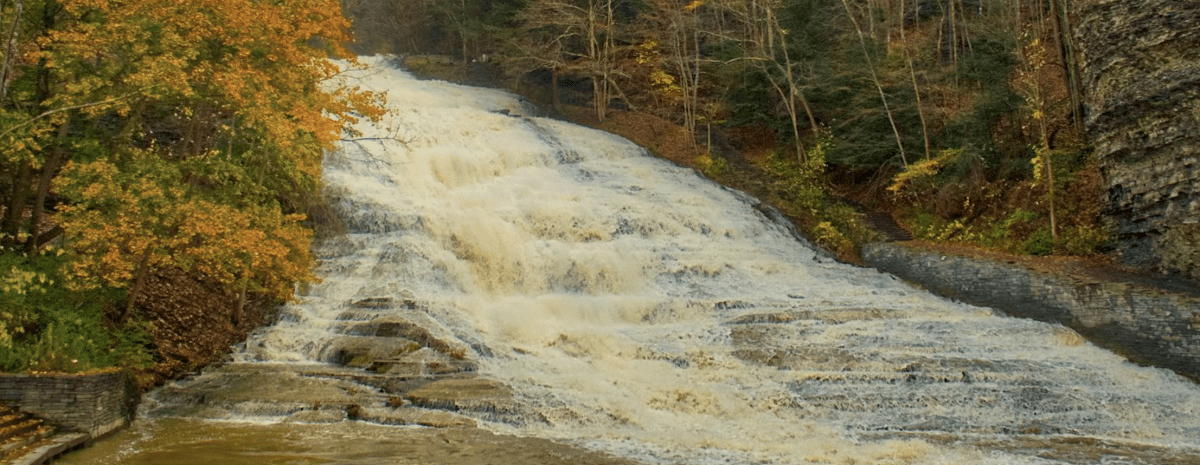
193, 322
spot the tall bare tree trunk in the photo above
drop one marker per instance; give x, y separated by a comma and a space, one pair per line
16, 201
462, 31
597, 53
794, 92
680, 36
862, 40
239, 312
1066, 50
57, 157
953, 18
1048, 165
765, 42
913, 74
143, 270
10, 50
555, 100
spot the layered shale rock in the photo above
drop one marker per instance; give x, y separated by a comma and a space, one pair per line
1140, 64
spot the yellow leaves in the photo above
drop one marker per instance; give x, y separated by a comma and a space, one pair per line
693, 5
369, 104
21, 282
259, 246
647, 52
923, 169
664, 82
827, 235
269, 56
1042, 162
241, 77
1039, 167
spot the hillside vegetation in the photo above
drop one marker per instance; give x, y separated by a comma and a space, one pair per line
961, 118
150, 150
142, 138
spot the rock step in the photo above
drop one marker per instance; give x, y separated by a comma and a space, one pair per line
50, 448
19, 431
480, 396
15, 423
887, 227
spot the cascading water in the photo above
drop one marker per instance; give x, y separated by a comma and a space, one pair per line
560, 283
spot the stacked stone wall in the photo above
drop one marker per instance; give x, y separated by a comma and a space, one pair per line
1147, 325
96, 404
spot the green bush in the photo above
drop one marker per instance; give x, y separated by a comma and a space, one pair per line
1001, 233
1082, 240
831, 224
47, 326
713, 166
927, 225
1039, 243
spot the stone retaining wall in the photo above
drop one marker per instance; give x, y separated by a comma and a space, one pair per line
1147, 325
96, 404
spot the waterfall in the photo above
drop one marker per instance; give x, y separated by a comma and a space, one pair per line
577, 289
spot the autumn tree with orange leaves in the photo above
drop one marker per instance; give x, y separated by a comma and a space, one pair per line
190, 133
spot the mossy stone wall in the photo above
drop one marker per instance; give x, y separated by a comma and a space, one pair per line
96, 404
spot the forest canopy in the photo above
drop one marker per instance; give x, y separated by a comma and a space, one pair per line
141, 134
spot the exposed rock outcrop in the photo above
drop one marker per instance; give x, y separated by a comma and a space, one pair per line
1148, 322
1140, 64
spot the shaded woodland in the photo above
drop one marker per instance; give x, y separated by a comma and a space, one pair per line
960, 118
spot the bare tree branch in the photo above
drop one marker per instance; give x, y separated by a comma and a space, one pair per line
74, 107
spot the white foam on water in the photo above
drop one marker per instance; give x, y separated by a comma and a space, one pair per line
640, 309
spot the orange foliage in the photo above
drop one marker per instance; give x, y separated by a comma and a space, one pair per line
254, 72
124, 213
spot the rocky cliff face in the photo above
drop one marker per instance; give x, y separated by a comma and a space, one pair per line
1140, 64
